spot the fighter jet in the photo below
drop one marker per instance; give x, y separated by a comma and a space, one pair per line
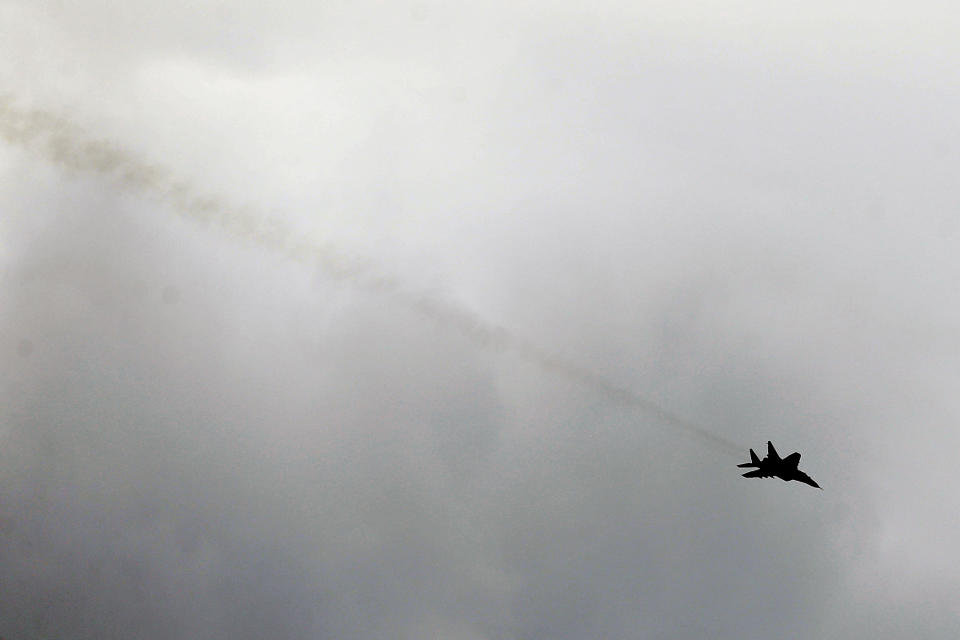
773, 466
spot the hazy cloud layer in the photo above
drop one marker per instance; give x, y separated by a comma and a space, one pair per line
745, 216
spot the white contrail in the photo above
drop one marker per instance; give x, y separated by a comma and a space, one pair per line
58, 140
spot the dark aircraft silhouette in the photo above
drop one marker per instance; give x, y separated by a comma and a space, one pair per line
773, 466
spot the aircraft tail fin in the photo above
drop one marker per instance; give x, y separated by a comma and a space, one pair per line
754, 461
771, 452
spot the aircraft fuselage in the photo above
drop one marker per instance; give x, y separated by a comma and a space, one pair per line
773, 466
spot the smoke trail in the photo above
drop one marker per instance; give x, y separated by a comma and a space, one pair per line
62, 142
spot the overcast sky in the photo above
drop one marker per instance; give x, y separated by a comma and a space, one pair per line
744, 213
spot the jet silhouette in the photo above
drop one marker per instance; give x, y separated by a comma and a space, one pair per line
773, 466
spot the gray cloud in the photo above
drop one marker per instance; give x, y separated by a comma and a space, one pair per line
747, 217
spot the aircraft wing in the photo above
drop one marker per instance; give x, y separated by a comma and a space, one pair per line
792, 460
759, 473
800, 476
